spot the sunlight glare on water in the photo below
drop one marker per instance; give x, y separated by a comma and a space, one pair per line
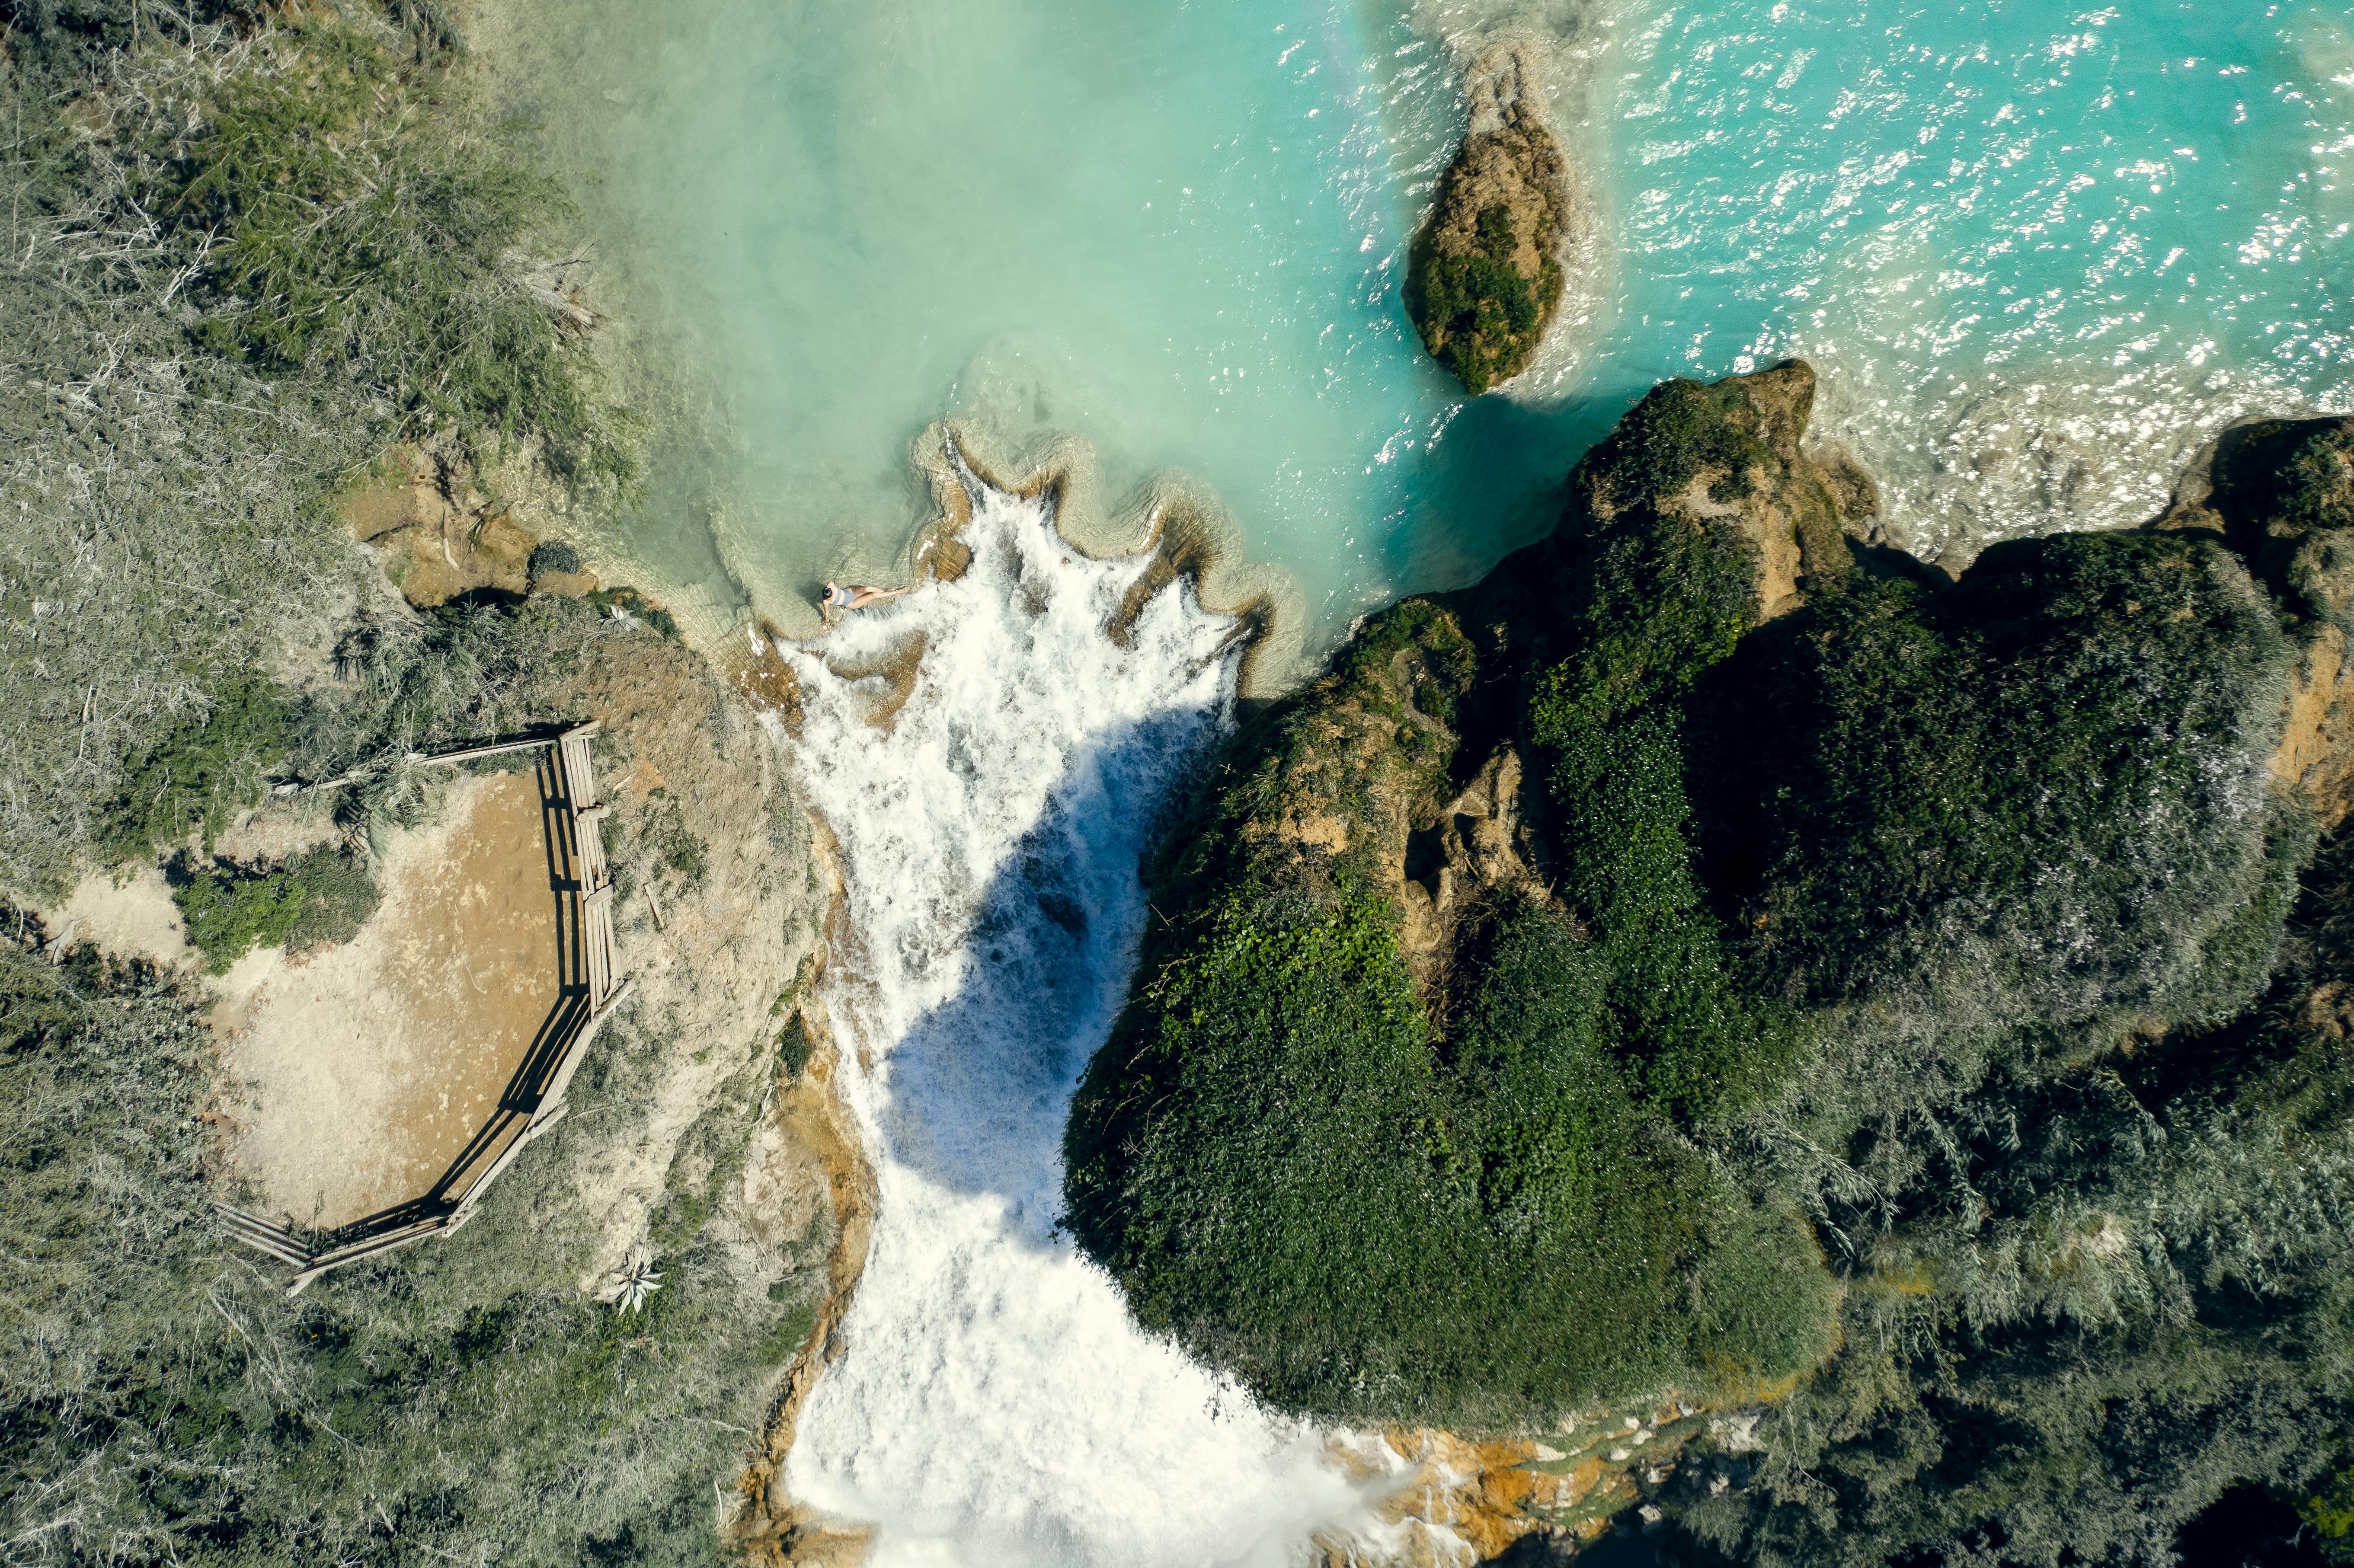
2039, 253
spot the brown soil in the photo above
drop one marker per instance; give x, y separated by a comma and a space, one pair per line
369, 1067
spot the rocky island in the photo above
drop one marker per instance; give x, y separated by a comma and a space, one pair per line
1484, 277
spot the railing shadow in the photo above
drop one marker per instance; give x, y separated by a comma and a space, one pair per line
533, 1099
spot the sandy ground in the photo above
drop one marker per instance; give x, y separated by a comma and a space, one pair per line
133, 919
368, 1067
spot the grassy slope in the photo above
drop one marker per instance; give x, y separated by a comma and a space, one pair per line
241, 259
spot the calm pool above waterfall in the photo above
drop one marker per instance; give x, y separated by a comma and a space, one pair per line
2039, 254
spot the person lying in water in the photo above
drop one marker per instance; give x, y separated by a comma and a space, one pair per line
854, 598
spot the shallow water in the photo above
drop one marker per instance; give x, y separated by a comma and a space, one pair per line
2039, 254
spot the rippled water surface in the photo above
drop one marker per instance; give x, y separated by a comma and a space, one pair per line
2039, 253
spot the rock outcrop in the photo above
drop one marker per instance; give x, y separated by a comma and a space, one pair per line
1484, 278
2280, 493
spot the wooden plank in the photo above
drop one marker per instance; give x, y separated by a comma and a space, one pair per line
265, 1235
497, 1167
582, 730
372, 1247
492, 749
561, 1079
579, 774
546, 1116
600, 949
601, 969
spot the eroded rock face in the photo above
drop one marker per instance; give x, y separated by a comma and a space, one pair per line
2280, 493
1484, 279
1729, 455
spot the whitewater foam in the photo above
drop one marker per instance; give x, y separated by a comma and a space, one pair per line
994, 1404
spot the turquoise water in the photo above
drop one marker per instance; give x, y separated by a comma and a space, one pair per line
2039, 254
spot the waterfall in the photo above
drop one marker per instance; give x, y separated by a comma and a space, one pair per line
994, 1404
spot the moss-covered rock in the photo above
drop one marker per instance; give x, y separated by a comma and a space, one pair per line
2039, 796
1486, 970
1402, 1123
1484, 278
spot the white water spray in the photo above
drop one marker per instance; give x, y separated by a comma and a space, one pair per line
995, 1405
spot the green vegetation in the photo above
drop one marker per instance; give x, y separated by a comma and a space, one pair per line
1464, 1202
164, 1401
196, 774
2040, 796
244, 249
1905, 997
314, 900
2085, 1298
243, 255
1477, 314
553, 555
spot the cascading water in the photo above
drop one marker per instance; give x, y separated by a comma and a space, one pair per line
995, 1405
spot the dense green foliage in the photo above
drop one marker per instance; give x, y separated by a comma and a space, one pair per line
161, 1401
2041, 795
197, 773
2098, 1294
1473, 1205
1910, 1008
1658, 603
312, 900
1477, 314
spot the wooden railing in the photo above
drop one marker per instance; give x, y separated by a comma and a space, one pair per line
534, 1100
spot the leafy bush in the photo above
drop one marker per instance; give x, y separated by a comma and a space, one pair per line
1281, 1170
2041, 795
553, 555
312, 900
196, 774
1658, 600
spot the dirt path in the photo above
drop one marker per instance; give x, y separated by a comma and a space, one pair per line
371, 1065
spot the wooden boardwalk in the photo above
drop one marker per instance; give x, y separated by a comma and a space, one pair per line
533, 1099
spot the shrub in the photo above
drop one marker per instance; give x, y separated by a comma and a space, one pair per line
2040, 796
312, 900
197, 773
1374, 1203
1658, 600
1281, 1170
351, 230
553, 555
